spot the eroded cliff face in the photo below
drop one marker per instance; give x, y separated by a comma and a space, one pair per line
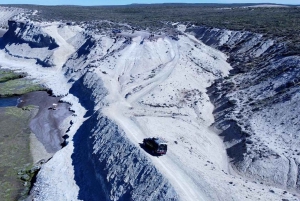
24, 32
128, 86
24, 40
257, 105
6, 13
107, 166
117, 170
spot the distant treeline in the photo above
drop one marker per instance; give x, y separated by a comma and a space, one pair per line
279, 22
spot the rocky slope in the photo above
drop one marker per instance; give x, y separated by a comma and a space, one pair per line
6, 13
257, 106
125, 87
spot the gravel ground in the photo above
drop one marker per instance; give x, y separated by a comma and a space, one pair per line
29, 133
45, 125
23, 130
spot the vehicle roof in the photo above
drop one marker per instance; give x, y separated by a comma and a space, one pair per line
160, 141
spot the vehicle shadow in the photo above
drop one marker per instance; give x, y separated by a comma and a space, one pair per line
148, 150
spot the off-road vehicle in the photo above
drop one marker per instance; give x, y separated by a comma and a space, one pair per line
155, 145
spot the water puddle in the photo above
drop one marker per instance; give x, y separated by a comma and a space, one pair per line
9, 101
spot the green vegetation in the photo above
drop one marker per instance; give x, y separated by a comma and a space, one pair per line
274, 22
18, 87
15, 157
12, 84
280, 22
6, 75
16, 168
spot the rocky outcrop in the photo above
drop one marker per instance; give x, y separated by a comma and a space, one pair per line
107, 165
7, 13
102, 149
102, 162
28, 41
23, 32
256, 105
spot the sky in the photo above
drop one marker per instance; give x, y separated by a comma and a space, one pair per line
124, 2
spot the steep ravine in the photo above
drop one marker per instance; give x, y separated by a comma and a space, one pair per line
102, 149
257, 106
107, 166
124, 88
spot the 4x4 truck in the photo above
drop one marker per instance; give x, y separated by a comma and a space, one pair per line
156, 145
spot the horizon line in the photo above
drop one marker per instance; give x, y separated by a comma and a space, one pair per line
152, 4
